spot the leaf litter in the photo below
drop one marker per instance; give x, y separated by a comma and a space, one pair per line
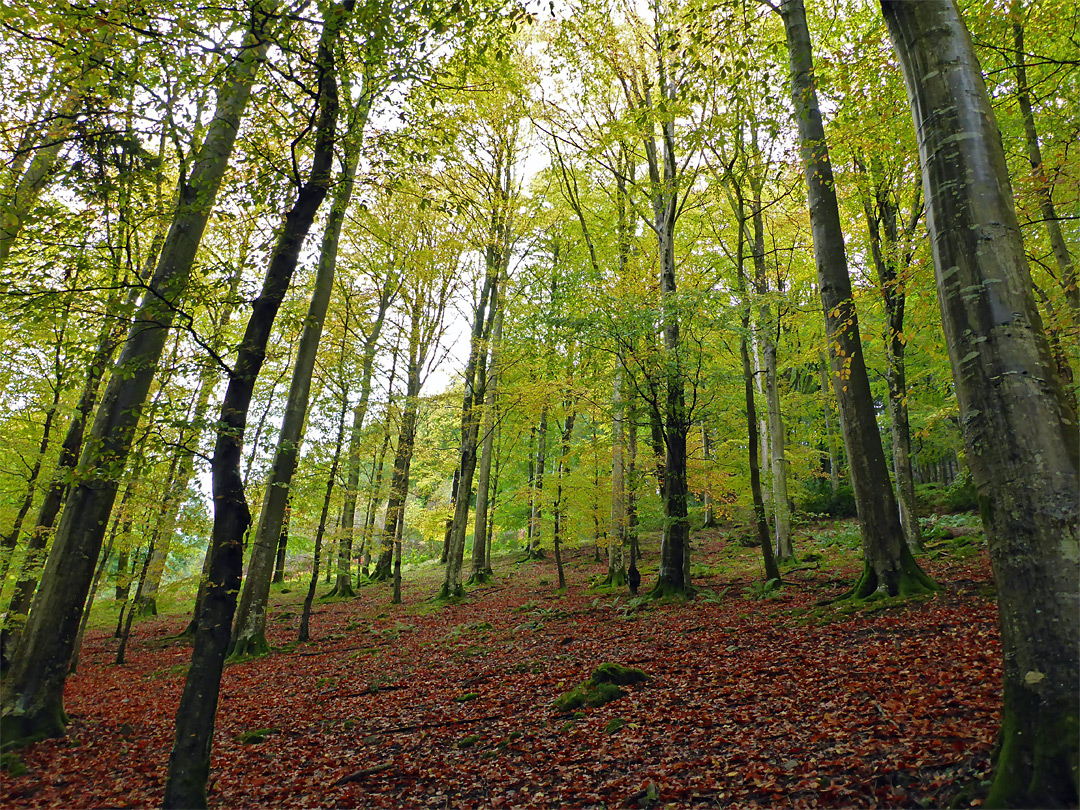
770, 702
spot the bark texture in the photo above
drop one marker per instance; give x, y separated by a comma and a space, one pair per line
889, 568
33, 700
1019, 429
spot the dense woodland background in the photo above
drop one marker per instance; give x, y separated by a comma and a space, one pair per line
398, 283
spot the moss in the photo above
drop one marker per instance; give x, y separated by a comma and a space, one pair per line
21, 730
587, 694
617, 674
468, 696
666, 590
468, 742
479, 578
12, 763
1044, 772
614, 725
247, 648
256, 735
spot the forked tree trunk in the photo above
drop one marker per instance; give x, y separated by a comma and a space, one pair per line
889, 567
475, 389
1019, 430
768, 330
33, 698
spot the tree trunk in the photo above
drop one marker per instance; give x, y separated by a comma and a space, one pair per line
188, 447
830, 435
33, 700
889, 567
769, 332
567, 433
707, 495
305, 616
616, 573
475, 390
105, 554
537, 512
1051, 221
189, 761
282, 544
373, 501
480, 562
1019, 430
881, 222
249, 630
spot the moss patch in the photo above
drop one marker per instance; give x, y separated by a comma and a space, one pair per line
602, 687
256, 735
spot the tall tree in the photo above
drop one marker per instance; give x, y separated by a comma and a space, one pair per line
33, 699
1019, 429
189, 761
889, 566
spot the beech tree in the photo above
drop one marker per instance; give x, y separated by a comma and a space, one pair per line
1019, 428
890, 567
33, 700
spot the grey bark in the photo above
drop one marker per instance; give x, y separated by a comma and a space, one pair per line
1020, 432
33, 700
889, 566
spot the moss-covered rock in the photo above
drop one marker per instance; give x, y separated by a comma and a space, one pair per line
602, 687
617, 674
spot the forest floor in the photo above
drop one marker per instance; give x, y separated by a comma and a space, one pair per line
755, 698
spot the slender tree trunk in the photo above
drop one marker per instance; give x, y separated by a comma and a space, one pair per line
1019, 429
367, 542
475, 389
567, 433
189, 761
830, 435
282, 544
126, 634
305, 616
777, 440
889, 567
105, 554
536, 515
480, 563
616, 573
761, 523
881, 222
633, 576
249, 630
188, 447
33, 699
1051, 221
707, 494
